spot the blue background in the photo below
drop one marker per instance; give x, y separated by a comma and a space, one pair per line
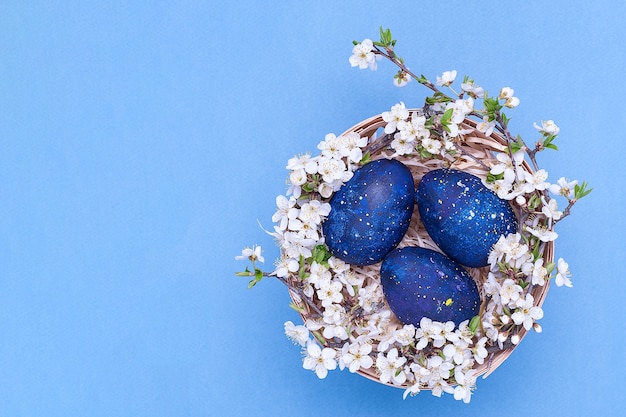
140, 142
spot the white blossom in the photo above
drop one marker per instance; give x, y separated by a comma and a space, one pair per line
305, 162
508, 166
432, 146
510, 249
406, 335
542, 233
335, 331
402, 146
350, 280
298, 177
397, 114
506, 93
319, 360
285, 210
479, 351
331, 169
527, 313
369, 297
564, 187
330, 293
350, 146
307, 230
457, 352
413, 128
285, 265
547, 127
510, 292
363, 55
295, 246
331, 146
325, 189
473, 89
358, 357
536, 181
253, 254
511, 102
539, 273
447, 78
466, 381
550, 209
562, 274
391, 367
319, 275
314, 211
486, 126
298, 334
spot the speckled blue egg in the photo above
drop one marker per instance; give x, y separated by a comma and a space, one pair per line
370, 213
419, 282
462, 216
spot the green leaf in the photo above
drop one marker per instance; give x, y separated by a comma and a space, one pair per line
492, 106
366, 158
425, 154
252, 283
321, 255
547, 142
446, 117
517, 145
319, 337
473, 324
438, 97
534, 202
422, 79
491, 178
536, 250
295, 307
581, 190
385, 37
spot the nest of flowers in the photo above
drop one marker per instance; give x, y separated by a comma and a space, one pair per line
346, 320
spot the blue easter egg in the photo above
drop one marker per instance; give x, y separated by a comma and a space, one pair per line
370, 213
462, 216
419, 282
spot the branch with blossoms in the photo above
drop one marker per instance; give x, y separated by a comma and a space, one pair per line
367, 53
452, 109
347, 323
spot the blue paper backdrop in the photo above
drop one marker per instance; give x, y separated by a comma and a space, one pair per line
140, 142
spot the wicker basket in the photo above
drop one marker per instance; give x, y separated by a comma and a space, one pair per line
476, 147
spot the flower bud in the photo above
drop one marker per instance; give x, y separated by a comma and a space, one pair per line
515, 339
537, 327
506, 93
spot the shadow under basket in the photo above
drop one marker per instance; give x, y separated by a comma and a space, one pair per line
478, 153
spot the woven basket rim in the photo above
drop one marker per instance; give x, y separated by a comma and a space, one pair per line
483, 144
